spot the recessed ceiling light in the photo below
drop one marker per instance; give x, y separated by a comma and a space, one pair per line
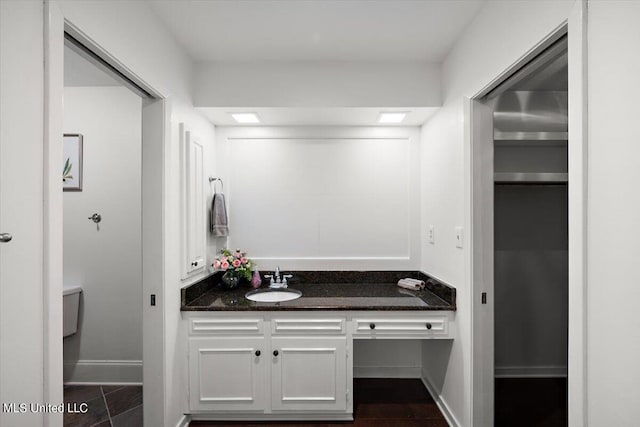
245, 117
392, 117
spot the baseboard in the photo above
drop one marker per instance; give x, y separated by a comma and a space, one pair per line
530, 371
103, 372
442, 404
184, 421
387, 372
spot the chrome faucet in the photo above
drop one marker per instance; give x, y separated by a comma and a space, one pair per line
278, 281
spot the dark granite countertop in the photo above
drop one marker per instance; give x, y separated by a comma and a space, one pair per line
327, 290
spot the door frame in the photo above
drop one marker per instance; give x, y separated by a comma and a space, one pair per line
479, 199
156, 115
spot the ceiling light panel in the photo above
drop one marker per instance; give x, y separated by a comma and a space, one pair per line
392, 117
245, 118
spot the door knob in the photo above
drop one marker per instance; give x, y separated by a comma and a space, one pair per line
275, 353
5, 237
96, 217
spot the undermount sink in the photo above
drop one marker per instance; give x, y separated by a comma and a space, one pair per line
273, 295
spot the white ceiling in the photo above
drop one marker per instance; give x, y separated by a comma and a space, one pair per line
316, 116
317, 30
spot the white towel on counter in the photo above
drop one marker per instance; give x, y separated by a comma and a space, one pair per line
413, 284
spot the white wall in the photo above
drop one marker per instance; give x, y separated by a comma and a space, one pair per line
613, 213
131, 33
105, 262
387, 359
500, 34
21, 207
323, 197
314, 84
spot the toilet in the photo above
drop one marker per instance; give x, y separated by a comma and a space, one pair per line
70, 308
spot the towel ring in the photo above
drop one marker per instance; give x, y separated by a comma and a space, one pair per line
214, 180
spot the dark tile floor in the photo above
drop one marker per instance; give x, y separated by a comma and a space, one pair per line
531, 402
378, 402
108, 406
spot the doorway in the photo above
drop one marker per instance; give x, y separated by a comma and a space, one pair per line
497, 155
102, 269
155, 122
530, 222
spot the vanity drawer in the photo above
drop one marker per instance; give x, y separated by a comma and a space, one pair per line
226, 326
320, 326
428, 326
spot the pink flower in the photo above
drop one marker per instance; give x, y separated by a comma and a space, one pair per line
236, 263
224, 258
216, 264
224, 265
244, 260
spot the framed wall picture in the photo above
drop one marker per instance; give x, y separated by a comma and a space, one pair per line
72, 162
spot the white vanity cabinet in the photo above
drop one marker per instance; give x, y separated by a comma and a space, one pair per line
266, 367
295, 365
228, 364
423, 325
227, 374
310, 367
309, 374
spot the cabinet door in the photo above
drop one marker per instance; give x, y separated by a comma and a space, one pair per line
194, 209
309, 374
227, 374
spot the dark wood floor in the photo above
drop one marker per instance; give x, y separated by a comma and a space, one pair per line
377, 403
531, 402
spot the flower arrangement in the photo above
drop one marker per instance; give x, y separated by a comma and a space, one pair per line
236, 262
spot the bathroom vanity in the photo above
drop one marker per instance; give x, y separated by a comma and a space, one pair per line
294, 359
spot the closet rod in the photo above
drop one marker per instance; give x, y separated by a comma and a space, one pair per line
530, 177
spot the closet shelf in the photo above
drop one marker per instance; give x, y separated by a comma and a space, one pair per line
531, 177
530, 136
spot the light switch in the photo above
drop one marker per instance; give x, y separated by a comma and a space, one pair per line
431, 237
459, 237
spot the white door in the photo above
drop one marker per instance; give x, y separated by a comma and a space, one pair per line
196, 225
309, 374
227, 374
21, 209
482, 268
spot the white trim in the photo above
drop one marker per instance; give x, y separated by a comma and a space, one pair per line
101, 383
96, 48
337, 263
316, 132
156, 133
547, 41
184, 421
479, 257
578, 222
387, 372
261, 417
530, 371
52, 210
103, 371
349, 258
440, 402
